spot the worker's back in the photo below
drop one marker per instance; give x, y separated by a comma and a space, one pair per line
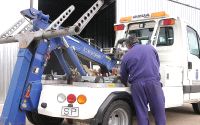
142, 63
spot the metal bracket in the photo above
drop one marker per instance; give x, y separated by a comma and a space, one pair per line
11, 30
28, 27
59, 21
26, 38
85, 19
155, 33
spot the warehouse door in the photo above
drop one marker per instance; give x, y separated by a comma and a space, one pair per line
100, 27
99, 30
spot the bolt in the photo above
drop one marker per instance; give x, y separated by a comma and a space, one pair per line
24, 105
44, 105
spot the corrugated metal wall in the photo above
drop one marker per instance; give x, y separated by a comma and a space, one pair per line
10, 13
189, 10
8, 58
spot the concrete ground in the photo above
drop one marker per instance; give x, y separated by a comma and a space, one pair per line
175, 116
182, 116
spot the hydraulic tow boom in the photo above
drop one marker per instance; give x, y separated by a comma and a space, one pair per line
25, 86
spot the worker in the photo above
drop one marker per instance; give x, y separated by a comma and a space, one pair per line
140, 67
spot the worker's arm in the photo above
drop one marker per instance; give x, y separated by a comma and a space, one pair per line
158, 60
124, 73
156, 54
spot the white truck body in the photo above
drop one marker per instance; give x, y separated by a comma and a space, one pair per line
179, 69
95, 97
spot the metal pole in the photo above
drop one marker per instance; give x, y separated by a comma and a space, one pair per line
57, 33
31, 3
38, 35
89, 40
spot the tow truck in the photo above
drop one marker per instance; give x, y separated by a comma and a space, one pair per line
35, 48
85, 98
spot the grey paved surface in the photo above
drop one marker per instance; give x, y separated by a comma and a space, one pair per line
175, 116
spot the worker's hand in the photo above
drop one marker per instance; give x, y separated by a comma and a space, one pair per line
115, 71
118, 80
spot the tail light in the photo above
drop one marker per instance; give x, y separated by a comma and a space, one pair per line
28, 91
119, 27
81, 99
71, 98
61, 98
168, 21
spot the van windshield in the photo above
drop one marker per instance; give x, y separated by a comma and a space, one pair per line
143, 30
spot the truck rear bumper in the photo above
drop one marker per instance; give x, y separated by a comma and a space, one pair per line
95, 98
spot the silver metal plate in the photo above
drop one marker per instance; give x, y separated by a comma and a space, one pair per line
70, 111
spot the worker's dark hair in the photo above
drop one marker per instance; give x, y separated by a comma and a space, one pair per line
123, 40
131, 40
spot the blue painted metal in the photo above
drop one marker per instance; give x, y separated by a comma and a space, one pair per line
26, 79
11, 111
65, 66
40, 20
34, 78
39, 23
30, 13
58, 42
34, 14
25, 86
82, 47
33, 100
75, 60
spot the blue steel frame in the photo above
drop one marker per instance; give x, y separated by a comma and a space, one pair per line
28, 72
25, 87
12, 114
83, 48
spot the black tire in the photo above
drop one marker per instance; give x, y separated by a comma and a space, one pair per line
196, 107
120, 107
38, 119
30, 118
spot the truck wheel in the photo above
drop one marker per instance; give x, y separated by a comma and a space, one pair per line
38, 119
30, 118
196, 107
118, 113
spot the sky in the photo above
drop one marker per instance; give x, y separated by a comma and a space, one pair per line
10, 12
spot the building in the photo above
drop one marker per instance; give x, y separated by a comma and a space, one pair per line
100, 28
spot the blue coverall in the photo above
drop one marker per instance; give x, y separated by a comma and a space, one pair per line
140, 67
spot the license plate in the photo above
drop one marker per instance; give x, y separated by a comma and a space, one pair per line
70, 111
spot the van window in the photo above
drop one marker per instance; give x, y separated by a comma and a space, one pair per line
166, 36
143, 30
193, 41
143, 35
